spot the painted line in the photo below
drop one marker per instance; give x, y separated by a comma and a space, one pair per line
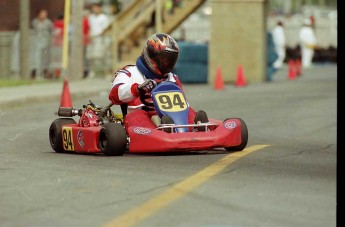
148, 208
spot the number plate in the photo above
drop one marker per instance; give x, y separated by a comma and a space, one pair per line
171, 102
67, 138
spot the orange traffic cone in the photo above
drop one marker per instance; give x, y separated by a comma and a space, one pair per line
298, 67
240, 80
66, 100
219, 82
292, 70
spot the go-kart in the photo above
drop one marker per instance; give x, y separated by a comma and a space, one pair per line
100, 130
168, 99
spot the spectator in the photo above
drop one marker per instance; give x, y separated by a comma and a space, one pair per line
86, 41
272, 57
278, 34
98, 23
308, 43
312, 21
43, 31
56, 60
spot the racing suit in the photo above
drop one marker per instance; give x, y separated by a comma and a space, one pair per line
125, 91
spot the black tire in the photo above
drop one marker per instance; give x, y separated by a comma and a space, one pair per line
244, 136
55, 135
113, 139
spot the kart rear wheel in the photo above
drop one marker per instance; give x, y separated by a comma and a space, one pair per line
244, 137
55, 135
113, 139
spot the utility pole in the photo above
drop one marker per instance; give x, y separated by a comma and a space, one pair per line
24, 38
76, 66
158, 16
65, 47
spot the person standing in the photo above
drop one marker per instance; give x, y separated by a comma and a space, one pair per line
86, 42
56, 61
272, 57
43, 32
308, 43
278, 35
98, 23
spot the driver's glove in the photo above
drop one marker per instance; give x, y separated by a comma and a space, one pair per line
147, 86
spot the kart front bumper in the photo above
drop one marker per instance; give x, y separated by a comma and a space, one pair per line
226, 134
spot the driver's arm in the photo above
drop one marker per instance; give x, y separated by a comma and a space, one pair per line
123, 89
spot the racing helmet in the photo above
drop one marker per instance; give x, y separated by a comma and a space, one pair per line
160, 54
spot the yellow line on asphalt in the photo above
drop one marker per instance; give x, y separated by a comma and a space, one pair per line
148, 208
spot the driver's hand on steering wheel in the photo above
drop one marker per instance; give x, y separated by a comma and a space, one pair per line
147, 86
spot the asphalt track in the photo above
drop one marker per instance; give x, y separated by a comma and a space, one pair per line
285, 177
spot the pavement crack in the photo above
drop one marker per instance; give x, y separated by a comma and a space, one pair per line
17, 135
2, 113
134, 195
24, 194
155, 188
303, 151
237, 168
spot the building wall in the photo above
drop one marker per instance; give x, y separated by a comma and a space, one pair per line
9, 11
238, 37
9, 25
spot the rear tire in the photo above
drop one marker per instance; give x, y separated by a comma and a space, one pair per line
113, 139
55, 135
244, 137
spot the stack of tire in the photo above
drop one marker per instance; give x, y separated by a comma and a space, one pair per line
192, 64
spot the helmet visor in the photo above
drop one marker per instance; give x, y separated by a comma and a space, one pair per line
165, 62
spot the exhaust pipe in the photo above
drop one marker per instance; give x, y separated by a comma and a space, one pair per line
69, 112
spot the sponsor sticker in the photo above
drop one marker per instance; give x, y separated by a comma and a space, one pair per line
230, 124
142, 131
80, 137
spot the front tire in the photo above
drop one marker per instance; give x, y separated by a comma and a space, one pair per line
113, 139
55, 135
244, 137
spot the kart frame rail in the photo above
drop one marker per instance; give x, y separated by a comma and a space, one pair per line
172, 126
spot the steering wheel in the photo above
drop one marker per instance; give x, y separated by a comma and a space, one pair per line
145, 96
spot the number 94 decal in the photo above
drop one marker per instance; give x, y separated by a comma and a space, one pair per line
67, 139
171, 102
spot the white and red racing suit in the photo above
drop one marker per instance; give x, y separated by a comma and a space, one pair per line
125, 91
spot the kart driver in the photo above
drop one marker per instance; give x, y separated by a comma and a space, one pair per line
132, 83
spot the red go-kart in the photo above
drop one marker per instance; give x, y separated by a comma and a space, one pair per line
100, 130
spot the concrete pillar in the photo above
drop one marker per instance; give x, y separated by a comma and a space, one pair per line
76, 60
158, 16
238, 37
287, 6
24, 38
5, 54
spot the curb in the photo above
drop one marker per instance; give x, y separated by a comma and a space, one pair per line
38, 99
23, 95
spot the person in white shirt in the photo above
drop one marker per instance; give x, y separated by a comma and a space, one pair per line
98, 23
308, 43
278, 34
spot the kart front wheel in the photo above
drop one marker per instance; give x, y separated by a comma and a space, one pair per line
244, 137
113, 139
55, 134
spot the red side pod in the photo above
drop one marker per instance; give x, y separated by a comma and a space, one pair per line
85, 139
227, 134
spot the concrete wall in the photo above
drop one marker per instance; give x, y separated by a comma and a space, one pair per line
238, 37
